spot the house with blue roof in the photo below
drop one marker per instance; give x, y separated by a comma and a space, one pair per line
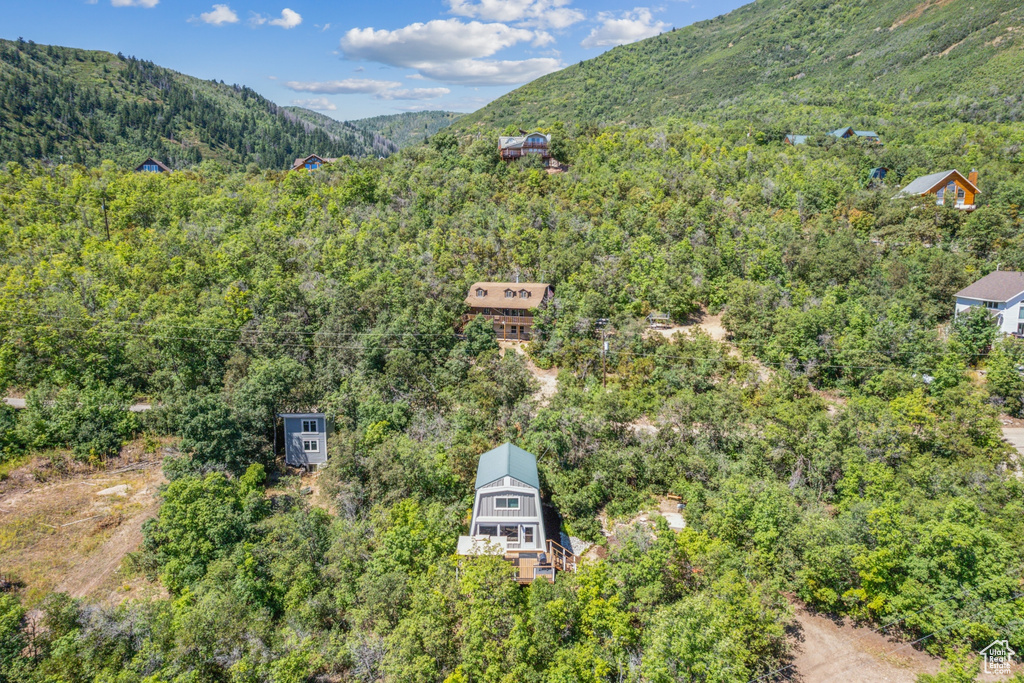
797, 139
508, 518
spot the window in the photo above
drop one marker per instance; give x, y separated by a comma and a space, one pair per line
310, 445
506, 503
309, 426
481, 292
992, 305
509, 294
486, 530
1020, 328
510, 532
524, 294
1020, 313
528, 535
151, 167
313, 165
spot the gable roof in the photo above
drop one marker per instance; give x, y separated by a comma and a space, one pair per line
926, 183
516, 141
1001, 285
300, 162
797, 139
494, 294
848, 130
151, 160
507, 461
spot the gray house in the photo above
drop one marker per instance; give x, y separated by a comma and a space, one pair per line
305, 439
508, 519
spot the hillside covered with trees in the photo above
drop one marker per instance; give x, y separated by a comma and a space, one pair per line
64, 104
841, 449
796, 64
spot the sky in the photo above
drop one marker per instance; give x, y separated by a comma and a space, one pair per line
351, 60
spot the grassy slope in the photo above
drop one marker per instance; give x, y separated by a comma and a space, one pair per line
792, 61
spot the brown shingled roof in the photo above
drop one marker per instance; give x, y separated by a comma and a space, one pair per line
1002, 285
492, 294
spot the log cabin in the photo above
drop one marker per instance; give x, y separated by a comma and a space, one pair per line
508, 305
508, 519
950, 188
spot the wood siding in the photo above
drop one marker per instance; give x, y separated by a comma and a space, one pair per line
294, 453
527, 506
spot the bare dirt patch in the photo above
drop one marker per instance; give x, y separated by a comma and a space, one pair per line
828, 649
709, 324
918, 11
59, 535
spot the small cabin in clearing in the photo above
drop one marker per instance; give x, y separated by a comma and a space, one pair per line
312, 162
508, 305
950, 188
508, 517
151, 165
305, 439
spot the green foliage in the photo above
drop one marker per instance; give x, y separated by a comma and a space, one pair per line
480, 336
92, 420
108, 106
792, 67
200, 521
975, 330
12, 636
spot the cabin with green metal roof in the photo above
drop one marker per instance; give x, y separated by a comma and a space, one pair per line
508, 517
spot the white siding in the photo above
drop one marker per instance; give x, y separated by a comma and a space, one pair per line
1008, 313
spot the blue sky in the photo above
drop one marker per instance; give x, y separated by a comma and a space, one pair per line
355, 59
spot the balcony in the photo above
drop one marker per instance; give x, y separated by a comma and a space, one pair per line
501, 319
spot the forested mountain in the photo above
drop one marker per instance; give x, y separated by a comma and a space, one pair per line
797, 63
60, 103
408, 128
840, 447
378, 145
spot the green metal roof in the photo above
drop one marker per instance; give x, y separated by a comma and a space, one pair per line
507, 461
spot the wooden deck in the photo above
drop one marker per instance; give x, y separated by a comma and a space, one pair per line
535, 564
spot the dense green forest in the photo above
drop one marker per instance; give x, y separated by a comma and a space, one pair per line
819, 462
841, 449
797, 66
409, 128
64, 104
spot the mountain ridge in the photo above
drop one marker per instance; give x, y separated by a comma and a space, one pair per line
794, 62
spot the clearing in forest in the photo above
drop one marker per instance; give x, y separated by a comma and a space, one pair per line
70, 531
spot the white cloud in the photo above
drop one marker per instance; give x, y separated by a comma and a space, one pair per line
490, 72
133, 3
346, 87
317, 103
449, 51
218, 16
627, 27
413, 94
289, 19
539, 13
435, 41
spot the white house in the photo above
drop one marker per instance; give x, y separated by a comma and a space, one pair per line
305, 439
508, 519
1002, 293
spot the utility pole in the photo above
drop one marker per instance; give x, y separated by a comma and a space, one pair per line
603, 324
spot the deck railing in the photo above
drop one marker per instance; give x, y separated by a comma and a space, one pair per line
509, 319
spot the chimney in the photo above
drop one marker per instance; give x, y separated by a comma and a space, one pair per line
973, 177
